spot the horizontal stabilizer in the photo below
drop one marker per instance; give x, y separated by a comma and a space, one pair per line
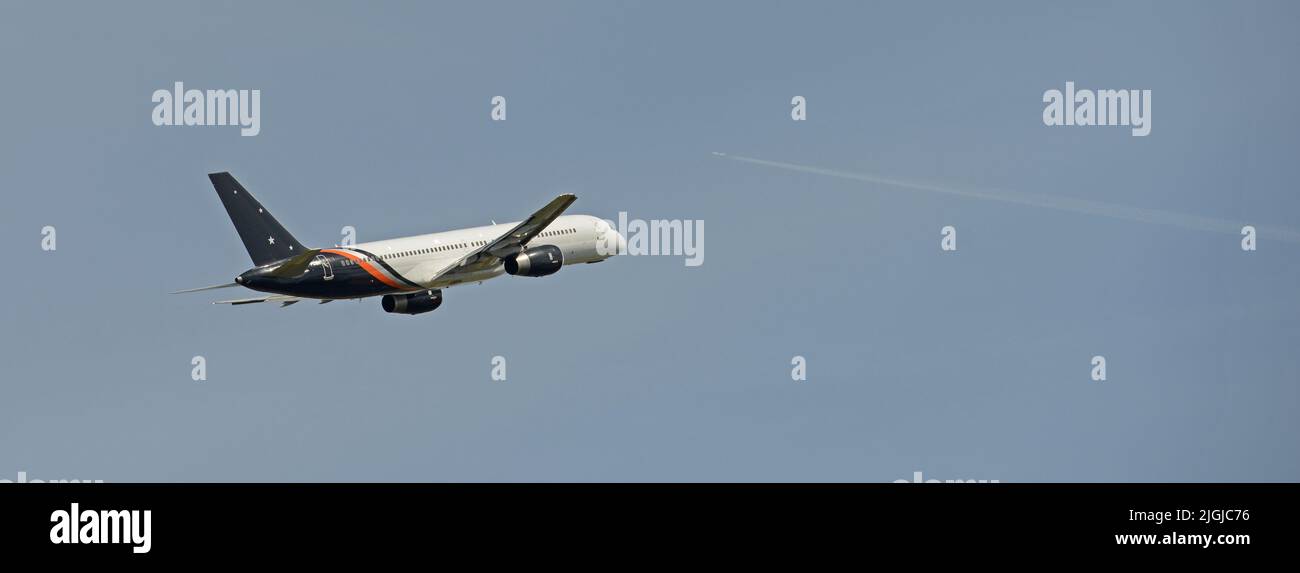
214, 287
270, 298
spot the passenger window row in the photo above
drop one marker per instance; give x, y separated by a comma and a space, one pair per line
452, 247
566, 231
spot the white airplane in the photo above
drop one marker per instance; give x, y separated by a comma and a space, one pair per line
410, 272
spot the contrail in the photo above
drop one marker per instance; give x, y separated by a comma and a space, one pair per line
1125, 212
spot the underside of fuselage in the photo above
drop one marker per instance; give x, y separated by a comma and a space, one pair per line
354, 274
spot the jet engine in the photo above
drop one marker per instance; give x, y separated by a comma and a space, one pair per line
536, 262
414, 303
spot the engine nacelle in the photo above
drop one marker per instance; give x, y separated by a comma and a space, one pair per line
414, 303
536, 262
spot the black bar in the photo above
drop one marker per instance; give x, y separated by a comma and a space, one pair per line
323, 521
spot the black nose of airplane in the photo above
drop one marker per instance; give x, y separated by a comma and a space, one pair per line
239, 280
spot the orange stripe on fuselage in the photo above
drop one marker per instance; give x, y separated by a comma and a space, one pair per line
374, 272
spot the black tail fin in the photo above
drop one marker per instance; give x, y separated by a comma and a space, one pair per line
263, 236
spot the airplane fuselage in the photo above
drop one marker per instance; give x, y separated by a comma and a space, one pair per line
411, 264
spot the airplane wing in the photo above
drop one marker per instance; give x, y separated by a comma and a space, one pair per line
507, 245
283, 299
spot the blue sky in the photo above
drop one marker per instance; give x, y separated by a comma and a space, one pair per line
971, 364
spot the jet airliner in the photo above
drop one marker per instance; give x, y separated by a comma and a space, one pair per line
409, 272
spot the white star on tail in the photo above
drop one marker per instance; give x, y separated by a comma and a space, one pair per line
270, 240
